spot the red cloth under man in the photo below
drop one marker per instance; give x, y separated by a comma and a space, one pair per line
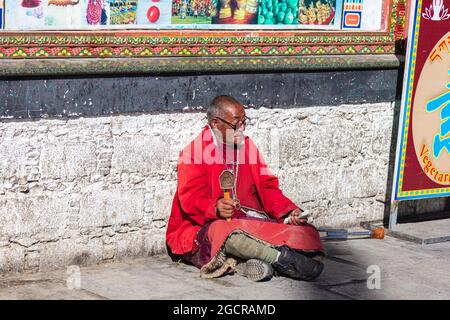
202, 221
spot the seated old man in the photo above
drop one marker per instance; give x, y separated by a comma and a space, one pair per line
229, 214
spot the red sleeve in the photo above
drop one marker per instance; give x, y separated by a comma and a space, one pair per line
275, 202
195, 200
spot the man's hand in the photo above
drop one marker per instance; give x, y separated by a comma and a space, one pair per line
294, 217
225, 208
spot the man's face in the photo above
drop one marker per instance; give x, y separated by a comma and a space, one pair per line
233, 115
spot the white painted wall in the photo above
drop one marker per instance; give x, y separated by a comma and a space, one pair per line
84, 191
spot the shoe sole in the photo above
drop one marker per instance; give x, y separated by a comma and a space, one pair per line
255, 270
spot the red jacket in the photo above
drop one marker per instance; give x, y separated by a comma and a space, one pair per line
198, 190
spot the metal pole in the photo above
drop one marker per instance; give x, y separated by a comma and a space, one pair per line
393, 214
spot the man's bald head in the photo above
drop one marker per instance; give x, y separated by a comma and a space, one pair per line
219, 105
226, 116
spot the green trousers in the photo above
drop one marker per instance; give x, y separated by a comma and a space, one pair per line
243, 246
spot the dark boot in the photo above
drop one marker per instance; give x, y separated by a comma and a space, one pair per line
296, 265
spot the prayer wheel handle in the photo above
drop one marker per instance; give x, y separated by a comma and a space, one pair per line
227, 196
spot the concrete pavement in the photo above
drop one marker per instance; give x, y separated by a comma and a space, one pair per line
406, 271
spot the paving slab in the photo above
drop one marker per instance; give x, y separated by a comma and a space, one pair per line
423, 232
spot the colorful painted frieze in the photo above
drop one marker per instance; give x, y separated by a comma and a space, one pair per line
320, 14
151, 12
364, 15
122, 12
194, 12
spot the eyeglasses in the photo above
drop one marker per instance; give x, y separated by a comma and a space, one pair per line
240, 123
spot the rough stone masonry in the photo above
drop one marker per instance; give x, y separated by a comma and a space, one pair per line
90, 190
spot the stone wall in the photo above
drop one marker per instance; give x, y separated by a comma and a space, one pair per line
89, 190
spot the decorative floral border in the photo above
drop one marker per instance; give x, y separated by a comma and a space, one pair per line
42, 67
201, 43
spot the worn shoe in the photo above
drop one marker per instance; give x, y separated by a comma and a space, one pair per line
296, 265
254, 269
